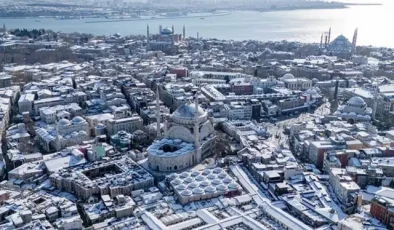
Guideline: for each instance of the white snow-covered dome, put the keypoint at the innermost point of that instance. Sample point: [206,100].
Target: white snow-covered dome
[77,119]
[173,176]
[210,189]
[216,181]
[198,191]
[181,187]
[233,186]
[82,133]
[227,180]
[166,31]
[311,92]
[222,175]
[206,172]
[176,181]
[63,122]
[352,114]
[287,76]
[186,192]
[200,178]
[187,112]
[193,185]
[195,173]
[211,176]
[221,187]
[337,113]
[205,183]
[189,179]
[185,174]
[357,101]
[218,170]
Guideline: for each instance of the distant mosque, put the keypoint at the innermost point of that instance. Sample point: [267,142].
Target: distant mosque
[166,40]
[340,46]
[355,110]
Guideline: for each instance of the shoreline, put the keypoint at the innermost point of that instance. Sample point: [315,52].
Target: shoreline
[146,19]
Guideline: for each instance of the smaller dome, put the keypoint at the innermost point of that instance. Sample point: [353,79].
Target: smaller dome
[352,114]
[181,187]
[206,172]
[176,181]
[222,175]
[221,187]
[233,186]
[82,133]
[210,189]
[337,113]
[186,192]
[200,178]
[63,122]
[211,176]
[227,180]
[311,92]
[198,191]
[77,119]
[185,174]
[218,170]
[100,126]
[216,181]
[195,173]
[288,76]
[356,101]
[166,31]
[173,176]
[189,179]
[205,183]
[193,185]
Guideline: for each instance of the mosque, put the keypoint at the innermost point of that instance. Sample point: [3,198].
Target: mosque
[354,110]
[166,40]
[189,137]
[340,46]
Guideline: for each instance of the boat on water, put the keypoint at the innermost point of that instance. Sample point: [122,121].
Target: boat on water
[202,18]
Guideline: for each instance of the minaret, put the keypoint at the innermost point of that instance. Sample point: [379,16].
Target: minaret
[321,41]
[329,35]
[57,144]
[160,29]
[196,124]
[147,36]
[158,128]
[325,41]
[375,99]
[354,43]
[198,35]
[184,32]
[173,38]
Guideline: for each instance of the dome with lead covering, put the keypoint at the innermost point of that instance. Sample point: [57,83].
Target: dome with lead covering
[221,187]
[218,170]
[189,179]
[356,101]
[185,114]
[195,173]
[206,172]
[176,181]
[173,176]
[216,181]
[200,178]
[205,183]
[222,175]
[227,180]
[198,191]
[211,176]
[77,120]
[233,186]
[166,31]
[181,187]
[185,174]
[210,189]
[193,185]
[186,192]
[64,122]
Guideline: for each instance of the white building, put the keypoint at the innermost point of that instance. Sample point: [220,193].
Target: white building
[296,83]
[128,124]
[25,103]
[344,187]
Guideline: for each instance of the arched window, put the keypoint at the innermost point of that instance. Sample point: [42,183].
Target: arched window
[175,167]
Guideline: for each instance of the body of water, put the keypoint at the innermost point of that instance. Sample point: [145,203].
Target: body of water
[373,22]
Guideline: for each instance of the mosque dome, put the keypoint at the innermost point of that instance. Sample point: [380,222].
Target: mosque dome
[205,183]
[77,119]
[210,189]
[187,112]
[186,192]
[166,31]
[181,187]
[288,76]
[311,92]
[357,101]
[64,122]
